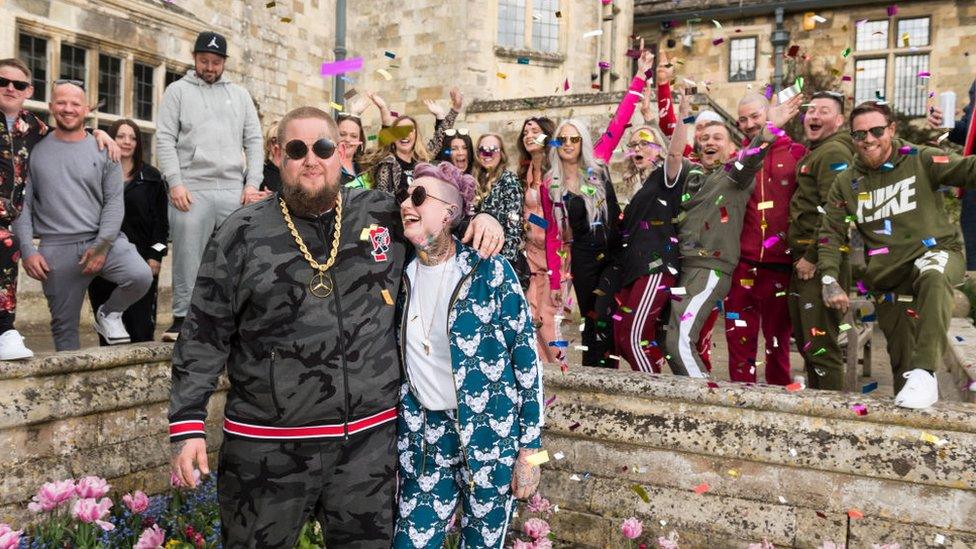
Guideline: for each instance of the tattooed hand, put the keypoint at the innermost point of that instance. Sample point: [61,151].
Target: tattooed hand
[184,454]
[525,477]
[835,297]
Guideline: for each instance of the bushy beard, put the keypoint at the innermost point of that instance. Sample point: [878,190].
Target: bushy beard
[309,204]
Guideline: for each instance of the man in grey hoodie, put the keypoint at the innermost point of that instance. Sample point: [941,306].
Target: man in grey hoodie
[205,122]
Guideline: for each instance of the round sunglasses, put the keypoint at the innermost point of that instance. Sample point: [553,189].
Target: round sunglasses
[296,149]
[417,196]
[861,135]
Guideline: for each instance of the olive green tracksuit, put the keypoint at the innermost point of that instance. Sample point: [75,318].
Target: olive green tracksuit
[815,326]
[914,253]
[709,228]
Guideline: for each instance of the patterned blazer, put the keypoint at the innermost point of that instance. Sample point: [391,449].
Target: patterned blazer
[497,373]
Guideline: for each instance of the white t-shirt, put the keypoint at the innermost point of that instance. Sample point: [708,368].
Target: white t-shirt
[430,294]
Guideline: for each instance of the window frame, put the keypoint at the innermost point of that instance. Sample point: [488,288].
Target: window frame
[892,51]
[118,91]
[526,45]
[40,84]
[755,58]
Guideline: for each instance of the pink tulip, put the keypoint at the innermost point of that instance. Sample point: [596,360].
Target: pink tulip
[52,495]
[151,538]
[92,487]
[9,538]
[667,543]
[88,510]
[137,502]
[631,528]
[538,504]
[536,528]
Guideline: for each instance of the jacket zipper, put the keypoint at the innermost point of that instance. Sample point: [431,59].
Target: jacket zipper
[457,417]
[342,346]
[271,376]
[762,213]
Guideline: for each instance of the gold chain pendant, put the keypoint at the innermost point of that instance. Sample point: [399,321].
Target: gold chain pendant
[320,285]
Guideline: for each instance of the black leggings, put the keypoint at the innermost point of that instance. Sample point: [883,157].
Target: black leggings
[586,266]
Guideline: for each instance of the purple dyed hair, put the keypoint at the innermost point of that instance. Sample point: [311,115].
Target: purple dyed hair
[450,174]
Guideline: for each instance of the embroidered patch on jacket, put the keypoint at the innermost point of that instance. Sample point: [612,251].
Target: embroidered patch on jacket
[380,238]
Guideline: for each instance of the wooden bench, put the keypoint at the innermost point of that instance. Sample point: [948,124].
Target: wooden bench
[856,343]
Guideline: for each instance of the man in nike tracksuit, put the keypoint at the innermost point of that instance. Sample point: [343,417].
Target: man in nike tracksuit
[892,193]
[816,328]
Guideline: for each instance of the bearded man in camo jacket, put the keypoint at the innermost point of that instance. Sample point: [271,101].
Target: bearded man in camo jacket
[295,298]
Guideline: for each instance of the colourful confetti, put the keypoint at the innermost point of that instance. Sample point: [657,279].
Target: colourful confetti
[340,67]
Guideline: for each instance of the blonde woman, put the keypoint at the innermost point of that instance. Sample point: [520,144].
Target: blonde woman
[586,211]
[272,178]
[499,193]
[394,171]
[644,154]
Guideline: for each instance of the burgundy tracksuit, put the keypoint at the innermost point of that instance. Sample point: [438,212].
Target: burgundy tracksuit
[758,298]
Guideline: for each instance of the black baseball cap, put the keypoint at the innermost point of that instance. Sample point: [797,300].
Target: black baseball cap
[211,42]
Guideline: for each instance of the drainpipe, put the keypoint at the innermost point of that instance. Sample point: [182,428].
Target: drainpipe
[339,85]
[780,39]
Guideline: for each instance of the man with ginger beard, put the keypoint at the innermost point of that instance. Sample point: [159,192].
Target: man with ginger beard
[713,207]
[757,300]
[815,326]
[295,297]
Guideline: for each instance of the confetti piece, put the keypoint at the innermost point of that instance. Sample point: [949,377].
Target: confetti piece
[717,41]
[907,150]
[389,54]
[575,477]
[843,327]
[394,133]
[859,409]
[340,67]
[335,106]
[574,426]
[868,387]
[854,514]
[771,241]
[702,488]
[794,387]
[846,52]
[765,205]
[385,74]
[286,19]
[928,242]
[522,60]
[386,296]
[878,251]
[536,220]
[538,458]
[559,456]
[593,33]
[350,94]
[270,4]
[501,75]
[678,290]
[924,74]
[782,500]
[641,493]
[838,166]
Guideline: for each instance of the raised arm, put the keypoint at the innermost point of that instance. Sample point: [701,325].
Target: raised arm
[625,110]
[445,119]
[665,73]
[679,139]
[386,117]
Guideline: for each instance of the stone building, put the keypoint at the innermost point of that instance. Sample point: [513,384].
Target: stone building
[871,47]
[127,51]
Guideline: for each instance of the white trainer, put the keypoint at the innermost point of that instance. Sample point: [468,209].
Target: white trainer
[920,391]
[12,346]
[109,326]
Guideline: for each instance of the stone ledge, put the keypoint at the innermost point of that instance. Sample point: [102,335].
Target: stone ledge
[87,360]
[960,357]
[537,58]
[948,416]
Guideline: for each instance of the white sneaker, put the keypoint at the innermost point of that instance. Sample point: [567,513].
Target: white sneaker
[12,346]
[109,326]
[920,391]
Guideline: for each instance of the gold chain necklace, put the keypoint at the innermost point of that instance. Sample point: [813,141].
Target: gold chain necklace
[420,308]
[321,284]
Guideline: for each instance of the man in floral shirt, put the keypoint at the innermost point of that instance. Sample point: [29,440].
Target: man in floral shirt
[20,130]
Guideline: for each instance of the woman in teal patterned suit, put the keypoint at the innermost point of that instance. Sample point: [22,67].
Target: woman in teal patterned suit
[471,403]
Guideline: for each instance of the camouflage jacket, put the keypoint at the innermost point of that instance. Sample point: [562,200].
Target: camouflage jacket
[300,366]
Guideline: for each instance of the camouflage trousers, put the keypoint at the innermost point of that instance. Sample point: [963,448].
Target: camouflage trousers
[268,490]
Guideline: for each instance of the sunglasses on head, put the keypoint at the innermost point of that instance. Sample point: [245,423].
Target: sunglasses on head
[417,196]
[296,149]
[19,85]
[861,135]
[456,131]
[73,82]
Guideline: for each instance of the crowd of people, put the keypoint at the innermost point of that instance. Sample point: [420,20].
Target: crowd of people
[382,305]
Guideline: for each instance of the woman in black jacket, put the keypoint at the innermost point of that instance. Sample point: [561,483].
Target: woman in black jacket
[145,225]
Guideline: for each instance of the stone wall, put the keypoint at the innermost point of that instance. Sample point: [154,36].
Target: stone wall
[94,412]
[952,57]
[785,466]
